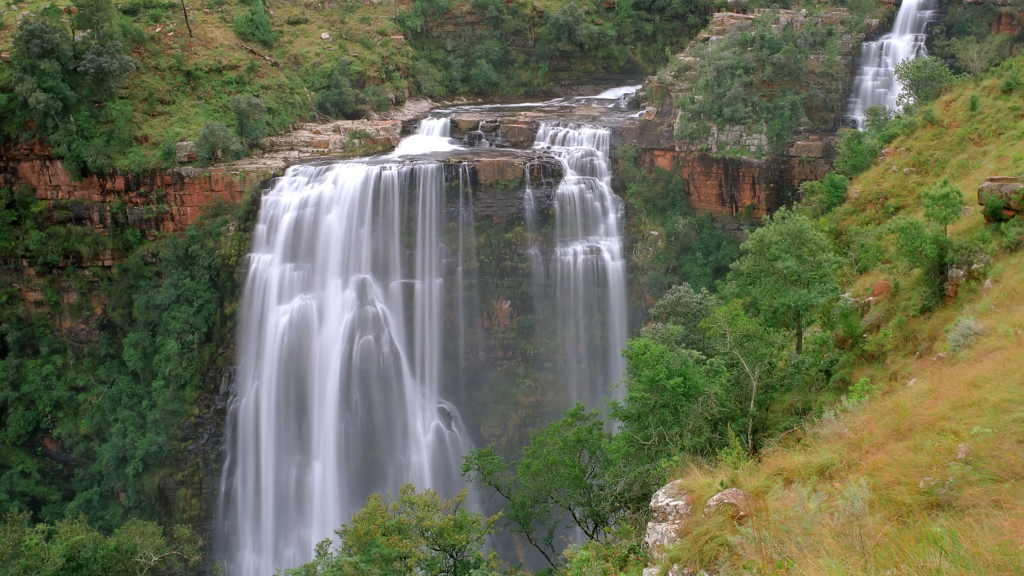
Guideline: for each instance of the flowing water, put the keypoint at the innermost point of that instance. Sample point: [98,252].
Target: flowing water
[341,347]
[875,83]
[588,265]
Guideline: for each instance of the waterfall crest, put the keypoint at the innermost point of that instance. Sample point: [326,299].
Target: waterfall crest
[339,357]
[875,83]
[588,265]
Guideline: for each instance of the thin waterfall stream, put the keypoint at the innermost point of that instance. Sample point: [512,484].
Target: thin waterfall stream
[360,309]
[875,83]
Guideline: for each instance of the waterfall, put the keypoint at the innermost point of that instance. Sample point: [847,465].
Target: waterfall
[875,83]
[432,135]
[588,265]
[339,359]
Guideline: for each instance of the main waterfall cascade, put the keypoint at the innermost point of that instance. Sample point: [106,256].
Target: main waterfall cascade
[337,395]
[341,347]
[876,83]
[588,264]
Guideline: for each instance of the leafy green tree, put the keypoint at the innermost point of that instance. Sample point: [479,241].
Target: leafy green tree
[335,95]
[750,348]
[676,401]
[218,143]
[943,204]
[563,479]
[677,318]
[923,80]
[250,118]
[418,533]
[922,247]
[977,57]
[787,273]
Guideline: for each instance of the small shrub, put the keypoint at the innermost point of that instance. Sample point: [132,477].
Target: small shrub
[973,103]
[994,206]
[1011,82]
[1013,234]
[218,143]
[928,116]
[833,190]
[962,333]
[250,118]
[254,26]
[860,391]
[360,134]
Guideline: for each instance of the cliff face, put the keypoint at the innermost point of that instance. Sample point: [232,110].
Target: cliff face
[730,185]
[733,170]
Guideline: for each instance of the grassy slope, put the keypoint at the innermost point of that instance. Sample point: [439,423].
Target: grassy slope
[183,82]
[876,487]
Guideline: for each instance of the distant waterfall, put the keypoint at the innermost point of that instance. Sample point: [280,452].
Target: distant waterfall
[876,83]
[588,265]
[339,359]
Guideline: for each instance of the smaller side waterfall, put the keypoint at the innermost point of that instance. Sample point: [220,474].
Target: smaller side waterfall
[876,83]
[433,135]
[589,269]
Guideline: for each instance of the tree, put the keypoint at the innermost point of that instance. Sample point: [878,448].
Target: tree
[335,96]
[943,204]
[923,80]
[250,118]
[748,346]
[419,533]
[563,479]
[678,316]
[978,57]
[787,273]
[676,401]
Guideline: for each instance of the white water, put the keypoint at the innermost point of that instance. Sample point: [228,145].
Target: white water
[339,358]
[876,83]
[433,135]
[588,263]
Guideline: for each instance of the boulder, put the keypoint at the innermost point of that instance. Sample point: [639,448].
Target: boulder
[735,498]
[185,152]
[325,36]
[1007,188]
[670,508]
[882,287]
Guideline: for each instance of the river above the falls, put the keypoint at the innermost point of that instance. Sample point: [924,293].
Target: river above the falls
[400,309]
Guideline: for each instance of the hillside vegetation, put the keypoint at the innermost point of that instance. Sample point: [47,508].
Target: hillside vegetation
[115,86]
[918,470]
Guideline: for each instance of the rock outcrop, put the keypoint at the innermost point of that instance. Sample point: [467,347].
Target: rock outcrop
[670,510]
[1007,190]
[733,498]
[733,171]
